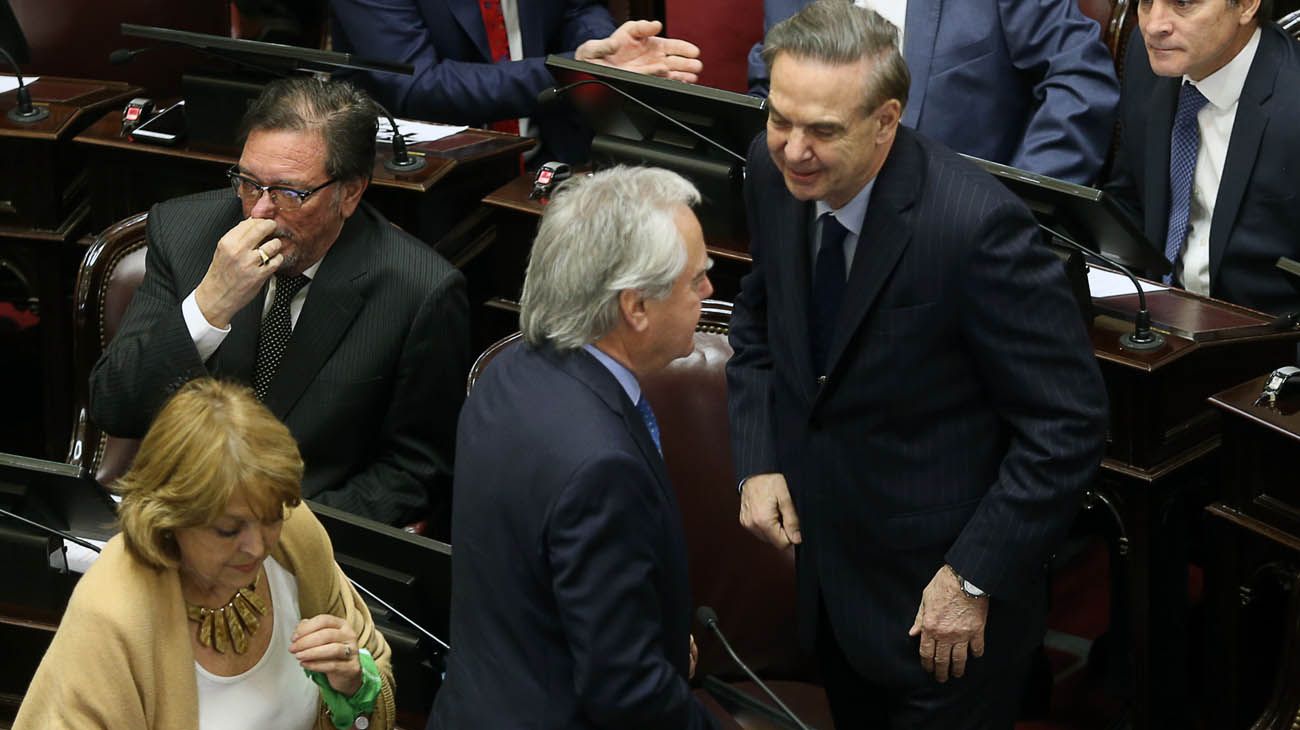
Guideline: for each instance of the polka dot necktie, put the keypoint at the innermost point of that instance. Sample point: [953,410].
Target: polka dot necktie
[276,328]
[1184,142]
[652,425]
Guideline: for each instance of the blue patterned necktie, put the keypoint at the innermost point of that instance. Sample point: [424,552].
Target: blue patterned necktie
[829,274]
[652,425]
[1183,144]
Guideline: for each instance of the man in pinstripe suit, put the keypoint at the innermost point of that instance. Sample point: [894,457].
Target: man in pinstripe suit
[914,403]
[352,332]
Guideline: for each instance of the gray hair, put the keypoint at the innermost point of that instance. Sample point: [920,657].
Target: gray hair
[343,114]
[601,234]
[838,32]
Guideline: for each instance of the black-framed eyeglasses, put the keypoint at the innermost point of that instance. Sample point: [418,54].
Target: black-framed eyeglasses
[282,197]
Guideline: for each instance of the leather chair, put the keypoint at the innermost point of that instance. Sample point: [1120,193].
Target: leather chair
[109,275]
[749,583]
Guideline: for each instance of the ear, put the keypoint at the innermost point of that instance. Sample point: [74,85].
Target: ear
[631,306]
[350,192]
[1249,11]
[889,114]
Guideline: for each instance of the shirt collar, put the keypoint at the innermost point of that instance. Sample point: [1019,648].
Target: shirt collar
[310,271]
[852,213]
[1223,87]
[620,372]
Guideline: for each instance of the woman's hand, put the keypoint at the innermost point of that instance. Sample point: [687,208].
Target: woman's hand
[327,644]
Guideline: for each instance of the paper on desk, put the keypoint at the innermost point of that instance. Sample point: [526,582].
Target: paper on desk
[9,83]
[79,557]
[1107,283]
[413,131]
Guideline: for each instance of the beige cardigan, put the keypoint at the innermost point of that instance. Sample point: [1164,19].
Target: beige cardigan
[122,656]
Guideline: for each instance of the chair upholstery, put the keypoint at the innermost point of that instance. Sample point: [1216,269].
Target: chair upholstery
[748,582]
[109,275]
[724,30]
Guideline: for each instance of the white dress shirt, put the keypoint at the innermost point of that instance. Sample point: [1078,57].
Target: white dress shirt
[208,338]
[1223,90]
[850,216]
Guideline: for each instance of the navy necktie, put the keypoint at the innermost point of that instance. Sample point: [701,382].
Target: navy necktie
[829,274]
[1184,141]
[274,334]
[651,425]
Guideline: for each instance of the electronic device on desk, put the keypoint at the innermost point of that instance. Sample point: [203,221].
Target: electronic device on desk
[548,176]
[699,132]
[216,99]
[136,112]
[167,127]
[406,581]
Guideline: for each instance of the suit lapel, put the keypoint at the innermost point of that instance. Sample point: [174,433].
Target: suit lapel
[793,254]
[922,28]
[333,301]
[1243,149]
[1164,98]
[531,26]
[885,235]
[470,17]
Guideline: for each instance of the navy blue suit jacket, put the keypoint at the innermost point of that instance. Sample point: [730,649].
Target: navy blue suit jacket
[455,80]
[1257,213]
[1026,84]
[962,412]
[571,604]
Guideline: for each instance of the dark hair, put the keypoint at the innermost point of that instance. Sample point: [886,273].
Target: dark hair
[344,115]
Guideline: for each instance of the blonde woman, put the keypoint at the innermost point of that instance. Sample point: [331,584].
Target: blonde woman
[219,605]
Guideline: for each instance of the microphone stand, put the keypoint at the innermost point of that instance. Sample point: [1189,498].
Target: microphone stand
[25,112]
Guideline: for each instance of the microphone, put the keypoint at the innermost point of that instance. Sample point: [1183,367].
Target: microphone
[50,530]
[25,112]
[124,55]
[709,618]
[402,160]
[549,95]
[1142,337]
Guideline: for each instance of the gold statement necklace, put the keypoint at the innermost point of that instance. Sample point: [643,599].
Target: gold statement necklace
[229,626]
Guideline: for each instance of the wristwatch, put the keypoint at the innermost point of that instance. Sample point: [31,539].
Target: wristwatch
[967,588]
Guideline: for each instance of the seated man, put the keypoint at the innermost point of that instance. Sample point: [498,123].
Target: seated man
[1026,84]
[1210,147]
[485,62]
[352,332]
[570,602]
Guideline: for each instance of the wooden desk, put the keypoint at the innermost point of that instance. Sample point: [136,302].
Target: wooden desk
[128,177]
[44,209]
[1254,646]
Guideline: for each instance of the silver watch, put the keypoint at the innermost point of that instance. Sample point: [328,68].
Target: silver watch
[967,588]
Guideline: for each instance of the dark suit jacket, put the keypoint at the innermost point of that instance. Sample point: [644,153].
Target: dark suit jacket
[962,412]
[371,380]
[1257,213]
[571,606]
[1026,84]
[455,80]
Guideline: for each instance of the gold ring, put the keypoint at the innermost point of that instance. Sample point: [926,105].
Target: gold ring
[347,651]
[265,259]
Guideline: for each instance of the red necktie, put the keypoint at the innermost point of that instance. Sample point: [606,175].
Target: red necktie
[494,20]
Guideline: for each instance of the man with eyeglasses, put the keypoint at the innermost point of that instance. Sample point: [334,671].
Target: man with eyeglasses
[352,332]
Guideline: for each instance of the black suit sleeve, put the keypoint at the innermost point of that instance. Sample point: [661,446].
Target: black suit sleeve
[601,542]
[152,353]
[1033,356]
[413,451]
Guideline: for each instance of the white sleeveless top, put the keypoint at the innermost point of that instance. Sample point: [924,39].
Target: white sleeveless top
[275,692]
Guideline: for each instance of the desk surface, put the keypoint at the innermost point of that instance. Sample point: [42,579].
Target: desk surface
[443,156]
[69,101]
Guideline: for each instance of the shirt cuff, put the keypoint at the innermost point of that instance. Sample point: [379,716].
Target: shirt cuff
[206,337]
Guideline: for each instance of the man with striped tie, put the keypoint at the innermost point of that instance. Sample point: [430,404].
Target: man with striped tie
[1210,147]
[352,332]
[570,604]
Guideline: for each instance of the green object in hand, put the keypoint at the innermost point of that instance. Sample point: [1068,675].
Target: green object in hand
[345,710]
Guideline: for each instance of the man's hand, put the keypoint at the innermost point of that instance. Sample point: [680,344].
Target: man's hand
[635,46]
[767,510]
[951,626]
[695,658]
[238,271]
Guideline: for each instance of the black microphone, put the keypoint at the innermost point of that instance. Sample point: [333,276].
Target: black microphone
[50,530]
[709,618]
[25,112]
[402,160]
[549,95]
[1142,337]
[124,55]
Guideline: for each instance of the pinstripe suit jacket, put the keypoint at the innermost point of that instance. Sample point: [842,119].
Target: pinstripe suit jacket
[962,411]
[372,378]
